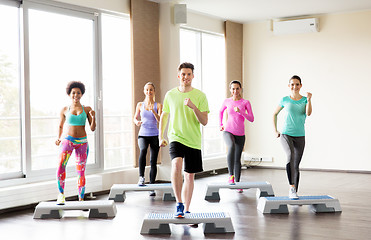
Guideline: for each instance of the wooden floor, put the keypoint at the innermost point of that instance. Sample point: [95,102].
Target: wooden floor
[352,189]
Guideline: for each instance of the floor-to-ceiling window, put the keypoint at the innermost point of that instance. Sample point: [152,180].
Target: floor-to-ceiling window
[207,52]
[61,49]
[117,92]
[10,115]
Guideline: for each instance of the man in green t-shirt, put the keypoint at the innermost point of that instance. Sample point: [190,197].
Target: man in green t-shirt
[184,108]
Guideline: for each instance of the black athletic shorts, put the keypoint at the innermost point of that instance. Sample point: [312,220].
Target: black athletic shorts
[192,157]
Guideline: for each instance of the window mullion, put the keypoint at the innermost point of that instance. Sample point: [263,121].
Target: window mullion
[25,96]
[99,136]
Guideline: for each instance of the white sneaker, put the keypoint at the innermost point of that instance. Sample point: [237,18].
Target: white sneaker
[292,193]
[61,199]
[141,181]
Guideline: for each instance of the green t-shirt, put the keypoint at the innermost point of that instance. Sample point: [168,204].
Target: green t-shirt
[183,124]
[295,116]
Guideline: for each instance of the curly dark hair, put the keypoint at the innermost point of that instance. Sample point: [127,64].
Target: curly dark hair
[75,84]
[186,65]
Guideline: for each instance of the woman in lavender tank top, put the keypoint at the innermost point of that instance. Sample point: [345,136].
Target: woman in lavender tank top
[147,115]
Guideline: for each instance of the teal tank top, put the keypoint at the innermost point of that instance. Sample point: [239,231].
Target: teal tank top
[295,116]
[76,120]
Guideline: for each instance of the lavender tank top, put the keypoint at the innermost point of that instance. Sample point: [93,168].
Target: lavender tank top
[149,122]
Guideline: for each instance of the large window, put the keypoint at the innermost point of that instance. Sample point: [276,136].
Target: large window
[43,46]
[207,52]
[117,107]
[61,49]
[10,125]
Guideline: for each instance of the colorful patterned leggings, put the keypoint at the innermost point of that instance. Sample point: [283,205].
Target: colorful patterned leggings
[81,147]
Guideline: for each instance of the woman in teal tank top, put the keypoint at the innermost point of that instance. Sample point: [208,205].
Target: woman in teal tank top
[292,135]
[75,115]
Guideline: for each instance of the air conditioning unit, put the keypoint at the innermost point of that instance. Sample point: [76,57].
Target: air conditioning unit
[296,26]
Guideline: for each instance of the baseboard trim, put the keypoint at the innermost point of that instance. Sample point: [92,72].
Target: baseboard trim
[315,169]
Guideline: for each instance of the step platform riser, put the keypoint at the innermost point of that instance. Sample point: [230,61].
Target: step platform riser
[264,189]
[212,222]
[97,209]
[319,204]
[117,192]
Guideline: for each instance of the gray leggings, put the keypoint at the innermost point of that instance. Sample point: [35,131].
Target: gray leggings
[294,148]
[235,146]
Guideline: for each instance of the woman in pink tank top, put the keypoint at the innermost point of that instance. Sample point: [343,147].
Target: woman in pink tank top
[238,109]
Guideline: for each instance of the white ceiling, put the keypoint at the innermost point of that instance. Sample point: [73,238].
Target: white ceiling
[258,10]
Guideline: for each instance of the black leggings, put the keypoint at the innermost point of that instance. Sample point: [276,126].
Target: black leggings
[235,146]
[294,148]
[143,143]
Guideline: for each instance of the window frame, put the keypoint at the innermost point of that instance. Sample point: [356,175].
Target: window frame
[16,174]
[57,8]
[13,3]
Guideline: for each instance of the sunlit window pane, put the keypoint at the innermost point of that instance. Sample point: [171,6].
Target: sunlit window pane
[207,53]
[10,123]
[213,85]
[190,51]
[61,50]
[117,95]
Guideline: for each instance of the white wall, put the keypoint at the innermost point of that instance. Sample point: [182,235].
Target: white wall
[121,6]
[335,65]
[204,23]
